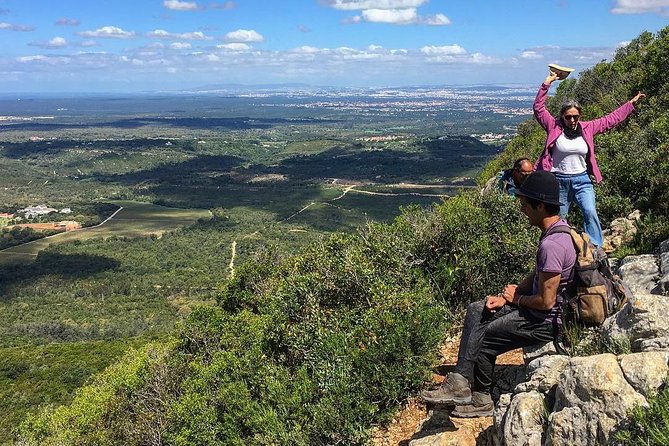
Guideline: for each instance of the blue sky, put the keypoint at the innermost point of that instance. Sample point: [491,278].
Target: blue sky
[149,45]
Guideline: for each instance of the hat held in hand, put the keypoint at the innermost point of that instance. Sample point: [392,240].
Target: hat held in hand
[562,72]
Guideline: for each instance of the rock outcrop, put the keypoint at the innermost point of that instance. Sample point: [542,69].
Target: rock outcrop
[563,401]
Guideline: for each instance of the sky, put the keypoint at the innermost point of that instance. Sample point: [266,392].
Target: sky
[173,45]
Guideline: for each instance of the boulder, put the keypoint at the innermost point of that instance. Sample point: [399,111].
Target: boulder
[643,318]
[653,345]
[663,283]
[499,415]
[543,374]
[566,428]
[592,398]
[523,423]
[621,231]
[646,372]
[535,351]
[640,273]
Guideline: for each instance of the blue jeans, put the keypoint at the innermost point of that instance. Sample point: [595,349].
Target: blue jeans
[579,188]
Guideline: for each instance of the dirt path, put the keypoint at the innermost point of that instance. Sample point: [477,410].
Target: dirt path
[233,250]
[414,422]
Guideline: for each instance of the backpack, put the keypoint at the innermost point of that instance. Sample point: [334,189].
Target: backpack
[595,293]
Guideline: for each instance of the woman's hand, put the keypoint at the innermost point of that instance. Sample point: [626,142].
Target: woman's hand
[552,77]
[638,96]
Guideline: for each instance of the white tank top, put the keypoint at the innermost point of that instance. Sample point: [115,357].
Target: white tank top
[569,155]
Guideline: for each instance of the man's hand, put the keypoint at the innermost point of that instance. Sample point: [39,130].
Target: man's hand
[638,96]
[552,77]
[494,303]
[509,292]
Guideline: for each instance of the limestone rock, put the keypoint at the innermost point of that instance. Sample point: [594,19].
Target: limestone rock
[646,372]
[537,350]
[499,415]
[663,285]
[543,374]
[644,318]
[523,424]
[640,273]
[592,398]
[653,345]
[506,379]
[621,231]
[565,428]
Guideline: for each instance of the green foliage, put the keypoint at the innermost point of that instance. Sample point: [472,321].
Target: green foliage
[48,375]
[314,348]
[18,235]
[633,157]
[648,426]
[587,341]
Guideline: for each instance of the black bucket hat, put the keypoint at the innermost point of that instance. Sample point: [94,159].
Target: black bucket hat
[542,186]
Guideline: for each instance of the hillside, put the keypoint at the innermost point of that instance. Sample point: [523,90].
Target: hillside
[317,347]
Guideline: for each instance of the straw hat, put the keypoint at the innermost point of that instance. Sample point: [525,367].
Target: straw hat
[562,72]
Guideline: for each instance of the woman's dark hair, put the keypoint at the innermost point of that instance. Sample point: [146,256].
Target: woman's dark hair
[552,209]
[572,103]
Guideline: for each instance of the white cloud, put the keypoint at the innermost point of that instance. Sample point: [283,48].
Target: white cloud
[67,22]
[353,19]
[31,58]
[111,32]
[478,58]
[225,5]
[181,46]
[641,7]
[397,16]
[531,55]
[437,20]
[14,27]
[244,35]
[623,44]
[177,5]
[374,4]
[235,46]
[162,34]
[446,50]
[306,50]
[56,42]
[197,35]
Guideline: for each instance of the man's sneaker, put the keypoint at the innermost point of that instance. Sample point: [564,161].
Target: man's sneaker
[480,406]
[454,390]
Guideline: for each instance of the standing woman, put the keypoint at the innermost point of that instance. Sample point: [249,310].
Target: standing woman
[569,152]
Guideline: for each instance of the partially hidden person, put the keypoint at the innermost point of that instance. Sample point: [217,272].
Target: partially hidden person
[569,152]
[509,180]
[521,315]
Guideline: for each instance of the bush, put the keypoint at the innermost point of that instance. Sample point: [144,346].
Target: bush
[308,349]
[648,426]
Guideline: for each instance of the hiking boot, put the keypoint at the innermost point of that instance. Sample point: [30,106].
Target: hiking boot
[480,406]
[454,390]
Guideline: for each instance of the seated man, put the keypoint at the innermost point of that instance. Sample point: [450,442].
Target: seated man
[509,180]
[521,315]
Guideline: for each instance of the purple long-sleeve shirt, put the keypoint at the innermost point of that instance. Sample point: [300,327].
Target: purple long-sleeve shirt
[553,129]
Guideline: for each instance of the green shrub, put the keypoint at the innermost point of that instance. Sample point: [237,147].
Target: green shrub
[648,426]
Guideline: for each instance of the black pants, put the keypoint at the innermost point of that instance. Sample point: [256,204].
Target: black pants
[487,335]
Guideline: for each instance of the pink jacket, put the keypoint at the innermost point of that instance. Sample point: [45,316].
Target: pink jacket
[553,129]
